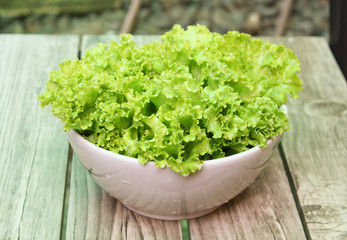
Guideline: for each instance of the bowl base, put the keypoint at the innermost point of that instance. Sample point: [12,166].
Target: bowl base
[173,217]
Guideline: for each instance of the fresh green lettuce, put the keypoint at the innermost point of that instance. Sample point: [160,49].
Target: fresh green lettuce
[192,97]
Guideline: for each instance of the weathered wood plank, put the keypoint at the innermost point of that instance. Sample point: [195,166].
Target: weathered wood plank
[265,210]
[316,146]
[93,214]
[33,149]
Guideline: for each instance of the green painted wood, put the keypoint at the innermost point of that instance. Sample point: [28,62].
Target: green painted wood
[33,148]
[93,214]
[316,146]
[25,7]
[265,210]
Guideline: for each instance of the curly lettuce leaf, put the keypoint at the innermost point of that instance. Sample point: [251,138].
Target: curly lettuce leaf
[192,97]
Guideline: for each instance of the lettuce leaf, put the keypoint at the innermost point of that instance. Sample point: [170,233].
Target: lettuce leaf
[192,97]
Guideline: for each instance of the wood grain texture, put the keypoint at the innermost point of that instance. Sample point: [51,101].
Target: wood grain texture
[33,148]
[93,214]
[316,146]
[265,210]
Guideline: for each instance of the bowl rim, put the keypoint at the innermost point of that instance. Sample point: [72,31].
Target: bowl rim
[233,157]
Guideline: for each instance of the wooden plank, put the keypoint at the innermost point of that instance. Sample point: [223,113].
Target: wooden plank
[93,214]
[316,146]
[265,210]
[33,148]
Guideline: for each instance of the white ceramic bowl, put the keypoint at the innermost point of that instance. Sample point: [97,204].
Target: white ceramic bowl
[164,194]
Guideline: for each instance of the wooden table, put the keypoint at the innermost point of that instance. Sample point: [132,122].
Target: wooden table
[45,193]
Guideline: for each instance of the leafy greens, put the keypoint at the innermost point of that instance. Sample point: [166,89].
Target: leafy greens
[194,96]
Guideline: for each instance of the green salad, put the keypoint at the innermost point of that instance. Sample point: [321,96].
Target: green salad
[194,96]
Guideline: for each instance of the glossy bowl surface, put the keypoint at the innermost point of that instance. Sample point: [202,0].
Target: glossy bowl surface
[164,194]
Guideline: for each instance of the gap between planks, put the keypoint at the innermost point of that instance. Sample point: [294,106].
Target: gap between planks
[294,192]
[68,174]
[66,194]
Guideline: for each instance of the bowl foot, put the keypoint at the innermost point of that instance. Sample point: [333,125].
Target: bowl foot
[172,217]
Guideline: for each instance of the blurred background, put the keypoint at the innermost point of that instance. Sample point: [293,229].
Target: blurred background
[257,17]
